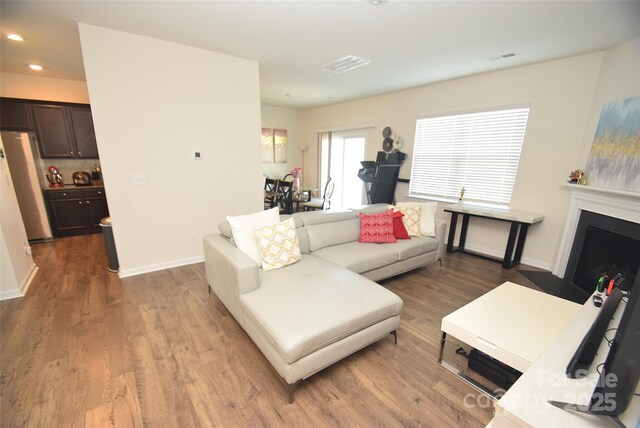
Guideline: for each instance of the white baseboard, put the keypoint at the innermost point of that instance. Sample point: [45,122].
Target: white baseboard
[493,253]
[23,287]
[124,273]
[27,281]
[12,294]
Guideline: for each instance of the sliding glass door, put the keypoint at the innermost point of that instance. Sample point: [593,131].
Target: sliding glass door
[340,157]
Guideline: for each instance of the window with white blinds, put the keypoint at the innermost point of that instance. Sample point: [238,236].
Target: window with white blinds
[475,151]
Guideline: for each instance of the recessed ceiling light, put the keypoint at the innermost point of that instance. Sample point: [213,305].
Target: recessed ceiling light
[35,67]
[15,37]
[346,63]
[377,2]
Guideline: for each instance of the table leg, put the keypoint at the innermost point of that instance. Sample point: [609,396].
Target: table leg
[443,340]
[511,242]
[520,245]
[463,232]
[452,232]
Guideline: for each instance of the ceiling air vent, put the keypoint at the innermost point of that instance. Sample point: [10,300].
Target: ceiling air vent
[502,56]
[346,63]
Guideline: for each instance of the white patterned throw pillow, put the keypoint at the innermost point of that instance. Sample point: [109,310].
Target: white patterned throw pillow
[427,216]
[411,219]
[243,229]
[278,245]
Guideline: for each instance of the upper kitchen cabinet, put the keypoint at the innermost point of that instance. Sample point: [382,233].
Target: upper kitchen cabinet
[65,131]
[53,131]
[83,132]
[15,116]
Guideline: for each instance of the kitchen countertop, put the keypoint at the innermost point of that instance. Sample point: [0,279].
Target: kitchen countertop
[74,187]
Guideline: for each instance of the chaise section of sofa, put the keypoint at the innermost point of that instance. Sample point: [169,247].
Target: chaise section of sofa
[309,315]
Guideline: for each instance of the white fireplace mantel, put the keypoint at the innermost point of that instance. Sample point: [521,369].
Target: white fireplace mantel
[613,203]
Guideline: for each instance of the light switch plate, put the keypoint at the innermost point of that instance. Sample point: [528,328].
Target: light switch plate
[138,178]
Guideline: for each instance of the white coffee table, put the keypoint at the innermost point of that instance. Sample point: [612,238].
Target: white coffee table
[511,323]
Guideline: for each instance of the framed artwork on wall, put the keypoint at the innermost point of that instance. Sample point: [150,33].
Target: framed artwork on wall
[614,161]
[267,145]
[280,145]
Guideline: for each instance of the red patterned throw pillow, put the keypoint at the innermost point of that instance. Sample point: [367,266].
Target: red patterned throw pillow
[399,231]
[377,228]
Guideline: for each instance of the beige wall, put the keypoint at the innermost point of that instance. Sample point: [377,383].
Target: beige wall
[289,119]
[35,87]
[560,94]
[153,104]
[619,79]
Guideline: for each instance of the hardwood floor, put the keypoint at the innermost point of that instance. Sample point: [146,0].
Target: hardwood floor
[84,348]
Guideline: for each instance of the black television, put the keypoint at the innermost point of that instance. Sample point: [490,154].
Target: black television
[620,372]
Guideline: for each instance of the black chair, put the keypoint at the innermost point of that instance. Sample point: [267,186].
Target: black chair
[270,193]
[323,203]
[285,196]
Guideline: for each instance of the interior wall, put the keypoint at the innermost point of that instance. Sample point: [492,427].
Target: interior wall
[154,103]
[560,94]
[618,80]
[289,119]
[33,87]
[16,265]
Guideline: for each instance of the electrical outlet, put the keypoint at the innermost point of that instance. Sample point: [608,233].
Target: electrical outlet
[27,250]
[194,238]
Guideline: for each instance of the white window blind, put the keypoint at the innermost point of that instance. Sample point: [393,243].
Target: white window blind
[478,151]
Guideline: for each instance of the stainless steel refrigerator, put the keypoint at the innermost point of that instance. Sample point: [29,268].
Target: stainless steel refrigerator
[20,151]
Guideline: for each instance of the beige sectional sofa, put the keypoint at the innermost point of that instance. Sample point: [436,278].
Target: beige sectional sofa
[306,316]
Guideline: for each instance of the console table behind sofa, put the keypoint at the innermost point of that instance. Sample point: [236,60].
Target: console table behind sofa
[520,222]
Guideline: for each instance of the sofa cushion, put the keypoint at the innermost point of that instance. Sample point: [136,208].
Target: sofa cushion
[405,249]
[377,228]
[323,235]
[313,303]
[278,245]
[317,217]
[359,257]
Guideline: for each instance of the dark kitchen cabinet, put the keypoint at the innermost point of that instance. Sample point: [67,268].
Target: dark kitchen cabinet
[75,211]
[83,132]
[53,130]
[15,116]
[65,131]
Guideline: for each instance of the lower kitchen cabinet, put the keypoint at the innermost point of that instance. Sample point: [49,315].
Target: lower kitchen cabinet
[74,211]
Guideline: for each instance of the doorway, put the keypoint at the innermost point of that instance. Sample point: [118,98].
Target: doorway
[340,157]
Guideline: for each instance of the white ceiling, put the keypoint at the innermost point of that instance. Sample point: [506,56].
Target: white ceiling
[410,43]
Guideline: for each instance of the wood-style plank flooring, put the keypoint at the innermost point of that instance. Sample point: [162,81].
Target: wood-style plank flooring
[84,348]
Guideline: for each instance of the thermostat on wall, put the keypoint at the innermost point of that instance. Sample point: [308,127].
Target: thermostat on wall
[197,155]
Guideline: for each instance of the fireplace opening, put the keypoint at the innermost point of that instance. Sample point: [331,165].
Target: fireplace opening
[603,244]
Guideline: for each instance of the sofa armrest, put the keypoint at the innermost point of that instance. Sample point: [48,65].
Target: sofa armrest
[230,273]
[441,229]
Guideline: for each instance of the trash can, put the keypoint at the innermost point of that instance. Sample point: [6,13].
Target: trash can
[107,232]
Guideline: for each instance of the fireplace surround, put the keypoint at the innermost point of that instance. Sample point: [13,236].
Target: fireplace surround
[603,244]
[599,210]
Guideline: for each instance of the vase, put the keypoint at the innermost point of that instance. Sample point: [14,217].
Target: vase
[296,185]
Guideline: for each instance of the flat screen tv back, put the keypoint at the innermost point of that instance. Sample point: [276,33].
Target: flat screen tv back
[620,372]
[583,357]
